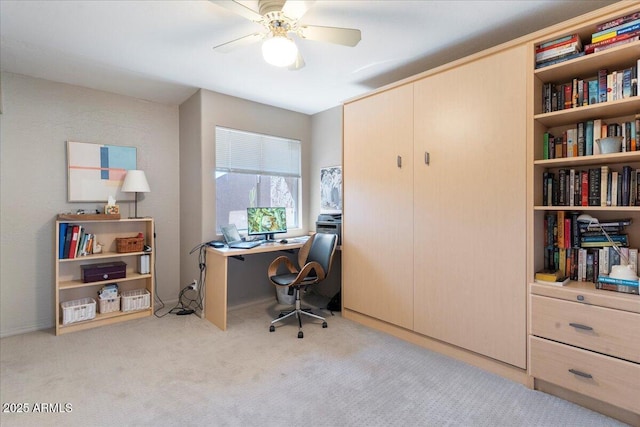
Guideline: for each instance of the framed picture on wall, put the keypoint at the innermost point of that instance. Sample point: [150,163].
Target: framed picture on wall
[96,171]
[331,190]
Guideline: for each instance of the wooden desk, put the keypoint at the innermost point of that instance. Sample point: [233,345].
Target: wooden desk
[216,282]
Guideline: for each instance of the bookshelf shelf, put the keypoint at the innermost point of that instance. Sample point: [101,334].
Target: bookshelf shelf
[605,110]
[68,281]
[553,309]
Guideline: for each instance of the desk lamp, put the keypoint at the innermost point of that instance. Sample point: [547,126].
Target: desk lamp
[135,182]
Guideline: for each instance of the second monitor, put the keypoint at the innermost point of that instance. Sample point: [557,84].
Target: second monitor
[266,221]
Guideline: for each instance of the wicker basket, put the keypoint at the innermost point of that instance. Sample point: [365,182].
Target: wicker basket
[129,244]
[137,299]
[109,305]
[78,310]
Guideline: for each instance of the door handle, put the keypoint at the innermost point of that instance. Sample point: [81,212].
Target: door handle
[426,158]
[399,160]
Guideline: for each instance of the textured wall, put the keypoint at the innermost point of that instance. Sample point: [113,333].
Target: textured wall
[38,118]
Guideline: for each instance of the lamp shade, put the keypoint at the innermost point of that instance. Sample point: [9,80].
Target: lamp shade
[279,50]
[135,182]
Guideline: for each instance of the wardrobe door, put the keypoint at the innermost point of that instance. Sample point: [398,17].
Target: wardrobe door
[470,206]
[377,260]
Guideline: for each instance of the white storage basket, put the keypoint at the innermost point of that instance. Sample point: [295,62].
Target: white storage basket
[137,299]
[78,310]
[109,305]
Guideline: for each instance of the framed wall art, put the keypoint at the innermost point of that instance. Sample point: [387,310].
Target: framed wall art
[96,171]
[331,190]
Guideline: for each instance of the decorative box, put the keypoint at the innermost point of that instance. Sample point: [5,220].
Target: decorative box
[104,271]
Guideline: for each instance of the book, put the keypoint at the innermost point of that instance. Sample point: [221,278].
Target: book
[561,282]
[616,281]
[62,234]
[74,242]
[602,85]
[627,289]
[549,275]
[563,40]
[557,60]
[618,21]
[67,240]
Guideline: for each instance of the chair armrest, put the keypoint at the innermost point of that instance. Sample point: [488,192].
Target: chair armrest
[276,263]
[312,265]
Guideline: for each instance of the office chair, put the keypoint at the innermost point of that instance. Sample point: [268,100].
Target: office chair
[315,259]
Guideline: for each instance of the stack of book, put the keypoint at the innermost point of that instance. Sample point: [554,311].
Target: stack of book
[618,285]
[552,277]
[622,30]
[558,50]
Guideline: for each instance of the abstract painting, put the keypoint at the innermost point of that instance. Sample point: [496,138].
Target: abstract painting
[96,171]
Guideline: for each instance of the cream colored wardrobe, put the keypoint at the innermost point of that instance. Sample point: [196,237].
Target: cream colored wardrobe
[378,179]
[470,206]
[438,245]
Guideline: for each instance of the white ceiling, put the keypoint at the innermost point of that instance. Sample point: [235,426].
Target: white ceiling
[162,50]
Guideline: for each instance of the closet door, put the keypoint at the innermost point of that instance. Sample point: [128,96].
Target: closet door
[470,206]
[377,261]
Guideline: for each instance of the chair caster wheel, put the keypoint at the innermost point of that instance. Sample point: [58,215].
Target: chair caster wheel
[280,315]
[272,328]
[300,334]
[324,324]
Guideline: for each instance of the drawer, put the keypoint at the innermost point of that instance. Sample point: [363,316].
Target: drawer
[605,330]
[601,377]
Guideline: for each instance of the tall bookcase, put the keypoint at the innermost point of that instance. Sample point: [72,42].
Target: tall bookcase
[68,277]
[584,343]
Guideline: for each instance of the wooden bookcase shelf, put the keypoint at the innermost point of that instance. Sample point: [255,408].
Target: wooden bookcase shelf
[608,354]
[68,282]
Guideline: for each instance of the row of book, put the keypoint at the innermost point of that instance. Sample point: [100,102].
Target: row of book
[74,241]
[597,186]
[563,230]
[622,30]
[605,86]
[581,140]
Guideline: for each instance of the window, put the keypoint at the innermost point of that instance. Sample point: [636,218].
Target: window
[254,170]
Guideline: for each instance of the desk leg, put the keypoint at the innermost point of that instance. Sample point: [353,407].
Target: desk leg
[215,302]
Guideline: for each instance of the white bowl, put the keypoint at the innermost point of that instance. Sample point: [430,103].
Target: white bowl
[610,144]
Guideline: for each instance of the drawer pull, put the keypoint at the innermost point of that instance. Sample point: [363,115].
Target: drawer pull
[579,326]
[580,373]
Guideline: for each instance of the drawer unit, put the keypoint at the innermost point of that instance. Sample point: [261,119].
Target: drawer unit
[608,331]
[601,377]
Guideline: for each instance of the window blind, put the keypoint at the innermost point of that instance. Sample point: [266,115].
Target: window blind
[247,152]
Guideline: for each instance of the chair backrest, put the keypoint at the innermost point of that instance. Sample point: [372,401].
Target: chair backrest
[322,249]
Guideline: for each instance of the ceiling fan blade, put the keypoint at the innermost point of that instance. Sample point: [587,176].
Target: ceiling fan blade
[296,9]
[343,36]
[299,63]
[238,43]
[239,9]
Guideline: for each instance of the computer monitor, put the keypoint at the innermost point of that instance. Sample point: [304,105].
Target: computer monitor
[266,221]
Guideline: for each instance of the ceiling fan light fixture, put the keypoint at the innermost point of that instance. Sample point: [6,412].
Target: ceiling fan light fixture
[279,50]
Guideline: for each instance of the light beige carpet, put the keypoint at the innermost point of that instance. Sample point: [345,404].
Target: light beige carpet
[183,371]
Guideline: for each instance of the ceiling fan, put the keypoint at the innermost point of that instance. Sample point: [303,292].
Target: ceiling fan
[280,19]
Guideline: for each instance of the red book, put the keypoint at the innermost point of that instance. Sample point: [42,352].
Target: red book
[567,232]
[568,95]
[74,241]
[584,188]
